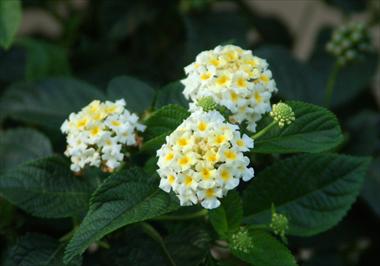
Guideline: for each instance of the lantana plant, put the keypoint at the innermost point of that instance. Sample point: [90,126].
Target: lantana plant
[245,170]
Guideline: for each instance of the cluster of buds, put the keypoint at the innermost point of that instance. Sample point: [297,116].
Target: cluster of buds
[283,114]
[241,240]
[349,43]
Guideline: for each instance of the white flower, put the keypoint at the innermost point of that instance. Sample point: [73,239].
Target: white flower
[203,159]
[234,78]
[97,134]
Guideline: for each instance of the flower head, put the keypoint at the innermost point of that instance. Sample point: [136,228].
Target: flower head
[279,223]
[349,42]
[242,241]
[235,79]
[203,159]
[97,134]
[283,114]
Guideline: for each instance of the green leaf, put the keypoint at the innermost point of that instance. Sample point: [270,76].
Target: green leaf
[138,95]
[265,250]
[315,129]
[44,59]
[20,145]
[10,18]
[227,218]
[46,188]
[153,144]
[171,94]
[47,103]
[295,80]
[371,186]
[314,191]
[38,250]
[124,198]
[164,120]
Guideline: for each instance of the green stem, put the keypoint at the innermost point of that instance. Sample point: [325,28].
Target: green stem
[264,130]
[152,232]
[188,216]
[330,84]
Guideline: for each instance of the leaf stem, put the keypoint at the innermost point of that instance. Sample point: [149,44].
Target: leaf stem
[152,232]
[189,216]
[331,83]
[264,130]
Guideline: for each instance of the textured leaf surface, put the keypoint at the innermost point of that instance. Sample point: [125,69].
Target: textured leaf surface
[313,191]
[138,95]
[315,130]
[265,251]
[46,188]
[164,120]
[126,197]
[47,103]
[171,94]
[20,145]
[38,250]
[10,18]
[227,218]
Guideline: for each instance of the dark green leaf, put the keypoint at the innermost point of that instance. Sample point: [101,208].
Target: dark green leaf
[44,59]
[10,18]
[38,250]
[47,103]
[313,191]
[371,186]
[171,94]
[124,198]
[164,120]
[138,95]
[20,145]
[46,188]
[315,129]
[227,218]
[265,251]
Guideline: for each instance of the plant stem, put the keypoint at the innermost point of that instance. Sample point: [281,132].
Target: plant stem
[331,83]
[152,232]
[264,130]
[189,216]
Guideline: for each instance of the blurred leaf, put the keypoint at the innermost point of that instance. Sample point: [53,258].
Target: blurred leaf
[10,18]
[189,246]
[20,145]
[265,251]
[208,30]
[47,103]
[12,64]
[44,59]
[351,79]
[46,188]
[315,129]
[371,186]
[227,218]
[313,190]
[138,95]
[38,250]
[124,198]
[295,80]
[364,133]
[171,94]
[348,6]
[164,120]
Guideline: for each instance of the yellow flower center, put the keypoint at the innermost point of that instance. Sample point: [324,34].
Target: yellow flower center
[182,142]
[230,155]
[169,156]
[206,76]
[188,180]
[202,126]
[184,161]
[242,83]
[234,96]
[240,143]
[171,179]
[225,175]
[115,123]
[210,193]
[222,80]
[258,97]
[220,139]
[82,123]
[95,131]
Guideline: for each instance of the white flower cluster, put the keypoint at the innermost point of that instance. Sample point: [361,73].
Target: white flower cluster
[234,78]
[203,159]
[97,134]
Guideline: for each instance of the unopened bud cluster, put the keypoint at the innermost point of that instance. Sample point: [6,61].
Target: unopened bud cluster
[242,241]
[279,224]
[349,43]
[283,114]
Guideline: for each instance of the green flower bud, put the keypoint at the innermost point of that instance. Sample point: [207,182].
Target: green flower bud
[279,223]
[349,43]
[283,114]
[241,240]
[207,103]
